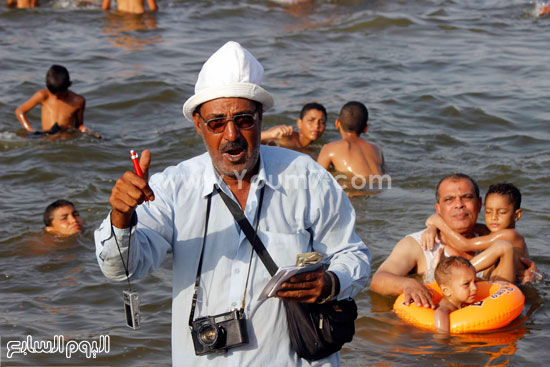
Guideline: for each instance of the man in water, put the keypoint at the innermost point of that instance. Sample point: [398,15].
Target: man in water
[304,209]
[458,203]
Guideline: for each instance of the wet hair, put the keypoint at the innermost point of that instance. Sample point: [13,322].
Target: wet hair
[48,213]
[508,190]
[57,79]
[443,270]
[456,177]
[353,117]
[313,106]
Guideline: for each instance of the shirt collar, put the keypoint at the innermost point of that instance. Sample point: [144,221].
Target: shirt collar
[211,177]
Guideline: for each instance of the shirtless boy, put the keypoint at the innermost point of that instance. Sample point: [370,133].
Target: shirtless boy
[62,219]
[131,6]
[502,211]
[311,125]
[22,4]
[456,278]
[62,109]
[353,155]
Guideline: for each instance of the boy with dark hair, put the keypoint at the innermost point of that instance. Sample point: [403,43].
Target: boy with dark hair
[502,211]
[62,109]
[456,278]
[353,155]
[311,125]
[62,219]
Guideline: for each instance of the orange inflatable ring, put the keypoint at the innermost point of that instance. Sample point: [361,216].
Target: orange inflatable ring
[497,304]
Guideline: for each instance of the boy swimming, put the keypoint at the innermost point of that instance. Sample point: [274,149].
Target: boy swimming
[62,109]
[353,155]
[62,219]
[131,6]
[456,278]
[502,211]
[311,125]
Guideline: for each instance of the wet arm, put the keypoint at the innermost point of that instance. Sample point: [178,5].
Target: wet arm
[152,5]
[276,132]
[391,277]
[20,112]
[441,320]
[324,158]
[469,244]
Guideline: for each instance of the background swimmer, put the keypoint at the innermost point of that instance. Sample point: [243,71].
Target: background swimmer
[353,155]
[131,6]
[62,109]
[311,125]
[22,4]
[62,219]
[456,278]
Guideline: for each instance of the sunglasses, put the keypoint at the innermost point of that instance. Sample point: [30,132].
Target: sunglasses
[243,121]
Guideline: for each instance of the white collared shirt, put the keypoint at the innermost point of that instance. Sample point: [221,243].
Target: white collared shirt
[301,200]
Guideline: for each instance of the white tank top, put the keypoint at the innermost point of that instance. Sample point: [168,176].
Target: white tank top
[431,259]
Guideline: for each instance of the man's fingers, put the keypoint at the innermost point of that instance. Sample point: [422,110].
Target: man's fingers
[144,162]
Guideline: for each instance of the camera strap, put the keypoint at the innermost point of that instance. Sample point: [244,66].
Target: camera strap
[251,235]
[127,264]
[199,267]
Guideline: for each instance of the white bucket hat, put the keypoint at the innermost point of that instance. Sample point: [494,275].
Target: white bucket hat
[231,71]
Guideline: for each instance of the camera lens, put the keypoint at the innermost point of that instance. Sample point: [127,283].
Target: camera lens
[209,335]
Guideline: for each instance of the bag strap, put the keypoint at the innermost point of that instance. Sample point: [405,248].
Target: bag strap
[249,232]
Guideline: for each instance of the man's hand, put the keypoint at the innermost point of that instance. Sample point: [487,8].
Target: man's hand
[417,292]
[306,287]
[531,273]
[129,191]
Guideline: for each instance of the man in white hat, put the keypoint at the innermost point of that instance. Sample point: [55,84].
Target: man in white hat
[293,204]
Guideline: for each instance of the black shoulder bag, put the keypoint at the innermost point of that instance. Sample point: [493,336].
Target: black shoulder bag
[316,330]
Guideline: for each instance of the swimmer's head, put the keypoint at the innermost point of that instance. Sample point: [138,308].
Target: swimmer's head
[57,79]
[444,269]
[353,118]
[312,121]
[61,218]
[502,206]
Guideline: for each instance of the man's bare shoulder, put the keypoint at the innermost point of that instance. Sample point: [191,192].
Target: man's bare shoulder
[42,94]
[407,250]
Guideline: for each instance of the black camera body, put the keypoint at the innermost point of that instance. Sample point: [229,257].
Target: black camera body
[216,334]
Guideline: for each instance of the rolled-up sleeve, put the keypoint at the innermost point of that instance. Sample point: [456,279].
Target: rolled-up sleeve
[333,230]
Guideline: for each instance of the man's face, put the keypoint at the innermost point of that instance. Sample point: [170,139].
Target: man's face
[234,151]
[312,124]
[458,205]
[66,221]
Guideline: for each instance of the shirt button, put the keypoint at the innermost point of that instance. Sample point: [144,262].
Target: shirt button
[237,271]
[234,304]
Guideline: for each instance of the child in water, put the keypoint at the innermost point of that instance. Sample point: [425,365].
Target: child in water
[62,219]
[502,211]
[131,6]
[21,4]
[62,109]
[353,155]
[311,125]
[456,278]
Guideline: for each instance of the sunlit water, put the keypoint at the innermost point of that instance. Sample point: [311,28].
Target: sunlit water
[450,86]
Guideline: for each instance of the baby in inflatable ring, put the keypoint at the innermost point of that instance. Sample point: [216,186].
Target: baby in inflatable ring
[456,278]
[463,305]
